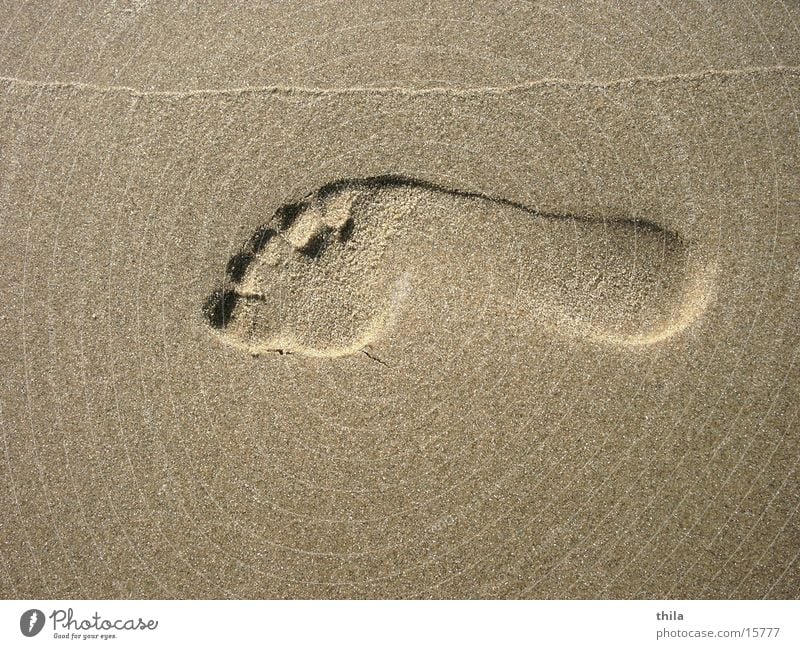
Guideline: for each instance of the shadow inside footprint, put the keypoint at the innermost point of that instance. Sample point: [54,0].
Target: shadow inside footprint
[325,275]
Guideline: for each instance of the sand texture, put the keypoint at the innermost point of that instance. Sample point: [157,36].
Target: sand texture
[333,301]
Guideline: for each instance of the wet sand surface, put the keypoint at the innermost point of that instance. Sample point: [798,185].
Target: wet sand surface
[328,302]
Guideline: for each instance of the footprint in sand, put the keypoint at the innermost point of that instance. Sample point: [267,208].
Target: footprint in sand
[330,274]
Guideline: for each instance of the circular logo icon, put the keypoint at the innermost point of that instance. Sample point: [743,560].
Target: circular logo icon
[31,622]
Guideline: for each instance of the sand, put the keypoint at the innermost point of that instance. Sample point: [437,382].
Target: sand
[332,301]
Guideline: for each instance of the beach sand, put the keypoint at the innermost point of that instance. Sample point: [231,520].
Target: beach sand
[429,301]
